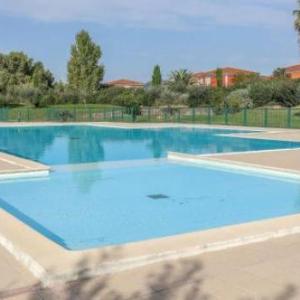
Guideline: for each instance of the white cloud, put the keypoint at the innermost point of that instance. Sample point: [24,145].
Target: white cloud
[166,14]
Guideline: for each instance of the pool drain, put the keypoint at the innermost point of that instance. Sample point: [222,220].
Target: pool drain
[158,196]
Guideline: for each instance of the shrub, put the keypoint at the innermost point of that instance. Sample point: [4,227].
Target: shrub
[170,97]
[107,95]
[284,92]
[152,95]
[66,96]
[238,100]
[218,100]
[198,96]
[49,99]
[65,116]
[261,93]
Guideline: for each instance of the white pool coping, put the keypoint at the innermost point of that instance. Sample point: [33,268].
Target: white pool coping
[132,125]
[236,165]
[12,167]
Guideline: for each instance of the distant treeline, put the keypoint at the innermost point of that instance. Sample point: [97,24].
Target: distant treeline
[24,81]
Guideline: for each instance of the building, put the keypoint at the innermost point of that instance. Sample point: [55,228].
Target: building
[125,83]
[210,78]
[293,72]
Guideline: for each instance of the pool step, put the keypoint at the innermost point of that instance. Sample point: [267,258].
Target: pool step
[15,167]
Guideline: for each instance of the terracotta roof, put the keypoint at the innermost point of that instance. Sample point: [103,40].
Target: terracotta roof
[295,68]
[228,70]
[125,82]
[236,70]
[199,74]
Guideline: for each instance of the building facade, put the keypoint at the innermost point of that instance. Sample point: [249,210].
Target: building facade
[125,83]
[229,75]
[293,72]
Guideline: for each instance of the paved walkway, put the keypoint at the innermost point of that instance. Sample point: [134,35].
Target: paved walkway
[13,276]
[266,271]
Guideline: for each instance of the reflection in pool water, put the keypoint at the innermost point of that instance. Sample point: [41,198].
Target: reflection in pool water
[83,144]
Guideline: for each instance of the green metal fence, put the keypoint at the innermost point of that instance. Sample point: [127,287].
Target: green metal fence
[260,117]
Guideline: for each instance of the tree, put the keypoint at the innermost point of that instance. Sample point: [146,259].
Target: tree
[199,95]
[16,68]
[219,77]
[42,78]
[261,93]
[242,80]
[279,73]
[297,18]
[84,71]
[180,79]
[156,76]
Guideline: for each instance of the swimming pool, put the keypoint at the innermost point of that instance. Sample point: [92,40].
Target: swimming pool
[99,207]
[54,145]
[94,205]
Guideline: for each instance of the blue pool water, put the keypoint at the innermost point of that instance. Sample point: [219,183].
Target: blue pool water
[98,207]
[83,144]
[90,205]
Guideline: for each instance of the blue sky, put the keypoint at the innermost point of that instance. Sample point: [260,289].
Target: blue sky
[137,34]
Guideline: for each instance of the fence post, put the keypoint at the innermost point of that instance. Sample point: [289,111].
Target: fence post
[178,116]
[245,119]
[90,114]
[149,115]
[194,114]
[209,115]
[51,115]
[113,114]
[122,114]
[266,117]
[7,114]
[226,116]
[28,116]
[289,117]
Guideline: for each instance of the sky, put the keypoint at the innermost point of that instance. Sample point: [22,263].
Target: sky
[134,35]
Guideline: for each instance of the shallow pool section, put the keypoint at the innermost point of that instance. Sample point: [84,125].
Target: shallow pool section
[59,145]
[99,207]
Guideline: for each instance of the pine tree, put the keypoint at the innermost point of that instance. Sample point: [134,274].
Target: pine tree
[84,71]
[156,76]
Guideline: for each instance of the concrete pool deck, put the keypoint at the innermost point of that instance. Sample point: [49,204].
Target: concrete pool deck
[268,270]
[33,250]
[281,162]
[286,160]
